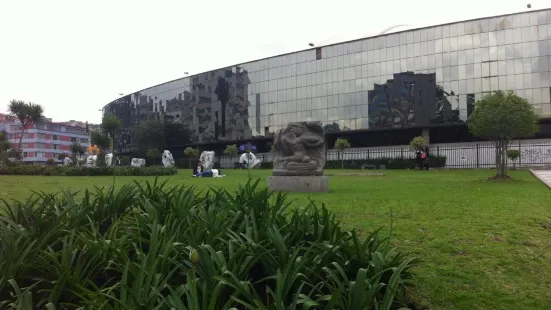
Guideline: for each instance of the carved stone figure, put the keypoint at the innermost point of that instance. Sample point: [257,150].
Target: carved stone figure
[299,150]
[248,160]
[207,160]
[109,159]
[67,161]
[91,160]
[137,162]
[167,159]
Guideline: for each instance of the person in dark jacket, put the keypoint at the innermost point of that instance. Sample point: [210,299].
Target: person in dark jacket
[197,168]
[425,158]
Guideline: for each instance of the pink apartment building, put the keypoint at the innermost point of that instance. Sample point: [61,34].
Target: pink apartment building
[44,140]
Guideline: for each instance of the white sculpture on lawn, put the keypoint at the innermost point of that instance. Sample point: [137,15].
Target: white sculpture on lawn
[67,161]
[91,160]
[167,159]
[248,160]
[137,162]
[109,159]
[207,160]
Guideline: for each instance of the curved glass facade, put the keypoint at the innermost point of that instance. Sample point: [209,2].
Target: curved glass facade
[416,78]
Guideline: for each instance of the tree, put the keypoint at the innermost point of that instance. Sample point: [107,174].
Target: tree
[153,154]
[150,134]
[231,150]
[513,155]
[341,144]
[191,152]
[50,161]
[100,140]
[502,117]
[76,148]
[27,114]
[5,146]
[417,144]
[110,124]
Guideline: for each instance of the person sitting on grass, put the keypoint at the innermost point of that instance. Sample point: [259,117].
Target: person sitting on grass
[196,168]
[212,173]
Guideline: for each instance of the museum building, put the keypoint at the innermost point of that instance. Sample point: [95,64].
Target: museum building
[375,91]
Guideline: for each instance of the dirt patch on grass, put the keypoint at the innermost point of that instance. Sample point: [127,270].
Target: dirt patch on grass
[358,174]
[500,179]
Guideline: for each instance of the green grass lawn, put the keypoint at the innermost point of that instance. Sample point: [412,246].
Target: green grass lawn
[483,245]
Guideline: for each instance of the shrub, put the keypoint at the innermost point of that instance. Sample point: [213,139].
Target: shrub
[50,161]
[85,171]
[125,160]
[147,246]
[389,163]
[417,143]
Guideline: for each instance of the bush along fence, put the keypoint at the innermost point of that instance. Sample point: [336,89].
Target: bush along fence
[377,163]
[148,246]
[533,153]
[85,171]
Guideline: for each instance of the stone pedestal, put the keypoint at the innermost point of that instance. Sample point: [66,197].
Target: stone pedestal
[299,184]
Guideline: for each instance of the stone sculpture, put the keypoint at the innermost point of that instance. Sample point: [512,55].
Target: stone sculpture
[207,160]
[299,158]
[109,159]
[91,160]
[299,149]
[137,162]
[167,159]
[67,161]
[248,160]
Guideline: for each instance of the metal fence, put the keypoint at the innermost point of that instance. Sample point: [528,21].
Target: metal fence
[459,155]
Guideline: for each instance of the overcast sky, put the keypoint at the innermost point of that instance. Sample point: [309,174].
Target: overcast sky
[73,57]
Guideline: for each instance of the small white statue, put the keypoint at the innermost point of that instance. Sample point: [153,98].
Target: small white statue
[167,159]
[109,159]
[91,160]
[207,160]
[67,161]
[137,162]
[248,160]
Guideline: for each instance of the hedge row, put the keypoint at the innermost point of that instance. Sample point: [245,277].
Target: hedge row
[85,171]
[376,163]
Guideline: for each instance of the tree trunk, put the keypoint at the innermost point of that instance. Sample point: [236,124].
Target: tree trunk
[21,139]
[501,159]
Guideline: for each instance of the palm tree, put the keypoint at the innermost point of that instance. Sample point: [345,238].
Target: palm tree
[27,113]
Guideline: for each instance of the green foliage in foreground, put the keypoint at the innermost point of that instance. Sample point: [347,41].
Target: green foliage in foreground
[85,171]
[148,246]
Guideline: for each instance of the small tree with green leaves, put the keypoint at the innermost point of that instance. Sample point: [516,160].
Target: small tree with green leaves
[231,150]
[50,161]
[110,124]
[153,154]
[191,153]
[513,155]
[341,144]
[76,148]
[100,140]
[502,117]
[417,144]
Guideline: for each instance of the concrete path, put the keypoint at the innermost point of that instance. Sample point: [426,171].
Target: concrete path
[543,175]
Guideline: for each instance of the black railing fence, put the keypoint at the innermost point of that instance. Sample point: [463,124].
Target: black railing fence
[459,155]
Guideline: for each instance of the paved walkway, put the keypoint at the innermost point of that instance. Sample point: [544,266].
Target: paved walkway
[543,175]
